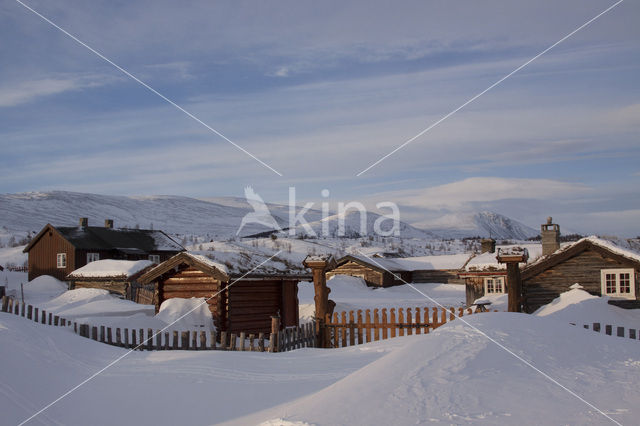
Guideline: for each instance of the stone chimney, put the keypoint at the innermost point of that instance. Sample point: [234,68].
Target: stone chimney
[550,233]
[487,245]
[84,222]
[108,223]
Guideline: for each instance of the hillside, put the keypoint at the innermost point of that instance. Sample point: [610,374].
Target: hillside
[214,218]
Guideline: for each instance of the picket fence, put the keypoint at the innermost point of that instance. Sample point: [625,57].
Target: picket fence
[140,339]
[358,327]
[608,329]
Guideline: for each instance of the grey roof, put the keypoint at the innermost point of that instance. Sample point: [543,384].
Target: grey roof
[124,240]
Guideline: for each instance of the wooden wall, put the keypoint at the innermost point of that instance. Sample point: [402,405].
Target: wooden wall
[437,276]
[474,289]
[119,287]
[189,282]
[42,256]
[373,277]
[584,269]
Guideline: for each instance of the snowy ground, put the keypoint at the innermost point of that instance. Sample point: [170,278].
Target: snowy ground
[452,376]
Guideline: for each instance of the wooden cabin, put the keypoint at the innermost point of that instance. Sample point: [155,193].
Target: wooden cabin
[601,267]
[116,276]
[377,272]
[60,250]
[238,302]
[387,272]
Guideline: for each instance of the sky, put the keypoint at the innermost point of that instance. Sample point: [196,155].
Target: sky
[320,91]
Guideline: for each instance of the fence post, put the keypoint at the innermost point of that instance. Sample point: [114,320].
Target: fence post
[213,340]
[109,341]
[242,337]
[607,329]
[118,337]
[203,340]
[620,331]
[149,339]
[94,333]
[194,340]
[632,333]
[275,328]
[102,336]
[596,327]
[5,303]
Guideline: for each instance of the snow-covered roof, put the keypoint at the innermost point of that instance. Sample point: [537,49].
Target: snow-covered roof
[489,262]
[110,268]
[420,263]
[209,262]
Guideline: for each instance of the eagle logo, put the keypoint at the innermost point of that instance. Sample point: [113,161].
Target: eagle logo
[260,214]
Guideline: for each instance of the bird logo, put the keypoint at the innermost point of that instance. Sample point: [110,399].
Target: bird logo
[260,214]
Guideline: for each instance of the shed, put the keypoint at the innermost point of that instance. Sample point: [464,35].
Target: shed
[602,267]
[60,250]
[237,301]
[116,276]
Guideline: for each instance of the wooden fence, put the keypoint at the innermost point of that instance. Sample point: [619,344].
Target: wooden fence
[351,328]
[632,333]
[18,268]
[148,339]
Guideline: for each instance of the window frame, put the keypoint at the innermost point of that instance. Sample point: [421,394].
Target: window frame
[92,257]
[605,275]
[495,280]
[153,257]
[61,260]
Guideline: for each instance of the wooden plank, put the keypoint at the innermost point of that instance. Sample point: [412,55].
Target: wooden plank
[360,328]
[261,342]
[409,322]
[401,321]
[203,340]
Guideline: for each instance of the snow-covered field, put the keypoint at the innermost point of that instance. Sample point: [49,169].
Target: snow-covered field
[452,376]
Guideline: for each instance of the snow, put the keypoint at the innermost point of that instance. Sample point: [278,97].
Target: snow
[352,293]
[499,302]
[186,314]
[579,307]
[445,261]
[111,268]
[207,261]
[488,262]
[455,375]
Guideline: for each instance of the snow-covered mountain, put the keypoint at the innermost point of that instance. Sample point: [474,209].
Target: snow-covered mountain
[482,224]
[217,217]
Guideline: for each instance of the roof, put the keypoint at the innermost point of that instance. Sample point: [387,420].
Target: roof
[607,247]
[197,261]
[110,268]
[131,241]
[485,262]
[410,264]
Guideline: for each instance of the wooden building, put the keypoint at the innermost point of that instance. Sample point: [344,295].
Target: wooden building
[116,276]
[483,275]
[387,272]
[238,302]
[59,250]
[599,266]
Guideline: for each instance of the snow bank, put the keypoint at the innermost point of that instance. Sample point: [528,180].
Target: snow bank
[41,289]
[111,268]
[579,307]
[499,302]
[195,311]
[455,375]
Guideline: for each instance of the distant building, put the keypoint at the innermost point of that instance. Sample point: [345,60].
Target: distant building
[60,250]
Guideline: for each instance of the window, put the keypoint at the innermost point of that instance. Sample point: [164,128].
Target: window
[618,283]
[61,260]
[92,257]
[155,258]
[494,285]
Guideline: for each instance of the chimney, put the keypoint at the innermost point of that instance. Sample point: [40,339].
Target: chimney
[108,223]
[550,233]
[487,245]
[84,222]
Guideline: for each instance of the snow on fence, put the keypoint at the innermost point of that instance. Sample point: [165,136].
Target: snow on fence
[608,329]
[18,268]
[140,339]
[351,328]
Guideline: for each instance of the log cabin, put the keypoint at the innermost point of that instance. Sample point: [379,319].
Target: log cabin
[387,272]
[237,301]
[60,250]
[601,267]
[116,276]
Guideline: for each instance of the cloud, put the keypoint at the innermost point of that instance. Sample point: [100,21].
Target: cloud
[28,91]
[461,194]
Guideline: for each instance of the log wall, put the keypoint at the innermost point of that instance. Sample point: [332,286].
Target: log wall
[584,269]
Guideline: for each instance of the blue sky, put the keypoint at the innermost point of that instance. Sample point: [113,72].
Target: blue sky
[321,90]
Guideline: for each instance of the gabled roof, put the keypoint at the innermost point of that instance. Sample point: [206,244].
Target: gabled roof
[101,238]
[604,247]
[110,269]
[197,261]
[410,264]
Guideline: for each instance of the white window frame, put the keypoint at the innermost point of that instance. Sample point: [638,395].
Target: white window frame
[61,260]
[494,280]
[155,258]
[616,274]
[92,257]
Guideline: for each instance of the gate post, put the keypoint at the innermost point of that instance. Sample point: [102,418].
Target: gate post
[512,257]
[319,265]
